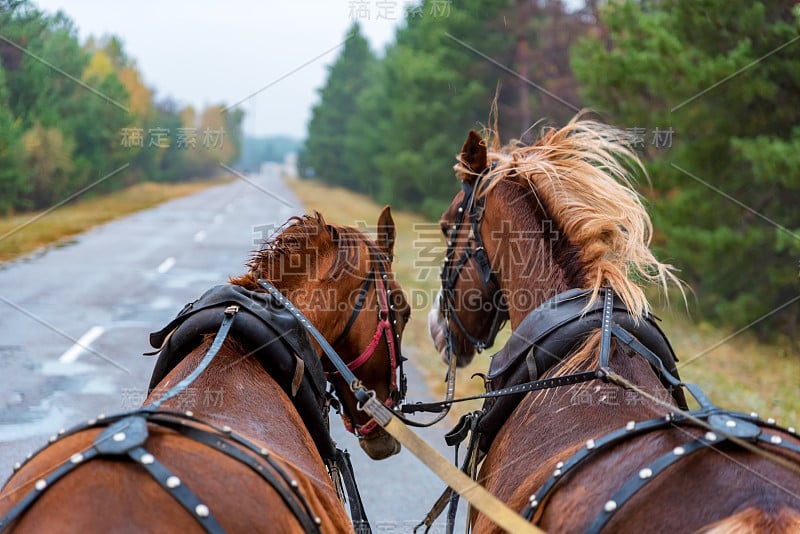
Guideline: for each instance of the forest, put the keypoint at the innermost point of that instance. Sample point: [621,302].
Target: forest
[78,117]
[708,92]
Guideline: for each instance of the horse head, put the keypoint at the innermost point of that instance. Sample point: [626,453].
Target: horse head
[533,221]
[342,281]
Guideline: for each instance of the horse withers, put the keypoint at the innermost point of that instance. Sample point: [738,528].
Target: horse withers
[260,460]
[554,239]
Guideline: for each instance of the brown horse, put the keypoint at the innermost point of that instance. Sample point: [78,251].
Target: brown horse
[545,236]
[255,461]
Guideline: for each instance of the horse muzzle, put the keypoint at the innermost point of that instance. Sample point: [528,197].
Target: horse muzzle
[379,444]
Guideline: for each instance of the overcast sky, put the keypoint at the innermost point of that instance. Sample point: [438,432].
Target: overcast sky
[205,52]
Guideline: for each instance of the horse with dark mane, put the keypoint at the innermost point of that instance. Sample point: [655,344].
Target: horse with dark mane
[597,435]
[260,460]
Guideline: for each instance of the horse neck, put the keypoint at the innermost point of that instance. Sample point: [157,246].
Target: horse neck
[236,391]
[527,250]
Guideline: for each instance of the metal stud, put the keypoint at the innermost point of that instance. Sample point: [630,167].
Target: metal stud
[317,520]
[29,456]
[227,429]
[173,482]
[610,506]
[730,424]
[40,484]
[264,451]
[630,426]
[668,417]
[557,473]
[119,436]
[147,459]
[753,414]
[590,444]
[201,510]
[678,451]
[534,503]
[293,483]
[17,466]
[710,436]
[460,210]
[76,458]
[791,430]
[62,431]
[101,417]
[559,465]
[771,421]
[776,440]
[53,438]
[189,413]
[645,473]
[91,422]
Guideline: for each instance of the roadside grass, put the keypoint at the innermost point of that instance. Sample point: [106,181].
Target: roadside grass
[739,373]
[24,233]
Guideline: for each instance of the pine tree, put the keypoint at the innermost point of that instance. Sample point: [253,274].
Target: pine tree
[724,76]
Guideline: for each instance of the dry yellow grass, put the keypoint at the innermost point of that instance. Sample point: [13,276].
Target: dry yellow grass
[739,373]
[23,233]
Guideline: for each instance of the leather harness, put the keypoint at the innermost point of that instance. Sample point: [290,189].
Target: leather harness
[277,334]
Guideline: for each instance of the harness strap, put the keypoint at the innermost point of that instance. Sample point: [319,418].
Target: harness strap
[219,339]
[357,513]
[644,476]
[176,489]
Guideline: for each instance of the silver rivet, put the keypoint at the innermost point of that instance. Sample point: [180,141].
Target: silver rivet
[147,459]
[753,414]
[173,482]
[76,458]
[101,417]
[264,451]
[557,473]
[62,431]
[227,429]
[40,484]
[53,439]
[775,439]
[317,520]
[460,210]
[710,436]
[534,502]
[395,321]
[91,422]
[645,473]
[119,436]
[201,510]
[678,451]
[610,506]
[791,430]
[17,466]
[293,483]
[559,465]
[29,456]
[668,417]
[771,421]
[189,413]
[630,426]
[590,444]
[730,424]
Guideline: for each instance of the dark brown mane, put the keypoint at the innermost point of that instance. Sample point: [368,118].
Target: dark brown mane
[299,244]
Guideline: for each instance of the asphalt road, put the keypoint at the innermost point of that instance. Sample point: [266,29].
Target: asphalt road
[112,286]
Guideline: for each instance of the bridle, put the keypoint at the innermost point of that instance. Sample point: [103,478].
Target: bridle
[472,208]
[385,329]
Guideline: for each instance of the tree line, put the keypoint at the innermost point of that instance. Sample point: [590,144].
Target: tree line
[78,116]
[708,91]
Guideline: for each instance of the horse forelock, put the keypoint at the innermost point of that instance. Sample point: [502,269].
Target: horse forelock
[583,175]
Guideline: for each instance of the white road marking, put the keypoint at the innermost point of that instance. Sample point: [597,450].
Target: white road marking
[199,236]
[166,265]
[81,345]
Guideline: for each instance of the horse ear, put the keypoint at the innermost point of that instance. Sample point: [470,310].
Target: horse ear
[386,231]
[473,156]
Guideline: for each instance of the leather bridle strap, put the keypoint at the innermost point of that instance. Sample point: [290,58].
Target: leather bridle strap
[362,296]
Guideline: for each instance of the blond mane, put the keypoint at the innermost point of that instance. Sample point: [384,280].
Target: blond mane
[583,174]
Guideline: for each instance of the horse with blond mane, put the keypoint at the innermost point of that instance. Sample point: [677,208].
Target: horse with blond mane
[586,426]
[260,460]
